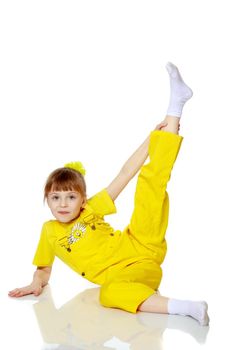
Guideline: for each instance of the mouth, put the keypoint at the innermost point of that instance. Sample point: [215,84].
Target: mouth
[63,212]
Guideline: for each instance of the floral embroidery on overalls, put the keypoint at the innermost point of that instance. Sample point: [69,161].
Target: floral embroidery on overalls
[77,232]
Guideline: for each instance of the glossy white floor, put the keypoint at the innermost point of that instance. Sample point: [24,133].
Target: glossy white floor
[64,319]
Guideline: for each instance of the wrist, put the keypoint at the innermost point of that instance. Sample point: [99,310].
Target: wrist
[37,281]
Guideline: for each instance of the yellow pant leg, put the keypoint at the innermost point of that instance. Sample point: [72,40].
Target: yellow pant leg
[149,220]
[131,285]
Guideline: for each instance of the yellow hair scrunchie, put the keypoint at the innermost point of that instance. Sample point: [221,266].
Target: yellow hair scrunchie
[78,166]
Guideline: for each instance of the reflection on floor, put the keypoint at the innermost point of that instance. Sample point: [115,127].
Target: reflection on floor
[82,323]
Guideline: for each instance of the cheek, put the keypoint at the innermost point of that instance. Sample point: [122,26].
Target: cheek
[52,209]
[76,207]
[52,206]
[49,205]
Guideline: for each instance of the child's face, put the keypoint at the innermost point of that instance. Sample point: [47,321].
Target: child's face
[65,205]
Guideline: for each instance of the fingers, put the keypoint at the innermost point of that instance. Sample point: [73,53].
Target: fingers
[13,292]
[18,292]
[161,125]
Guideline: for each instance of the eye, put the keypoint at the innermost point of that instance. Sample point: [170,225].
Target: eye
[72,197]
[55,197]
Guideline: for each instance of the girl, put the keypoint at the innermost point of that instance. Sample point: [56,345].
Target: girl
[127,265]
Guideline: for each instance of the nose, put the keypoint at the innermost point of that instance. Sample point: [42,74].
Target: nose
[63,202]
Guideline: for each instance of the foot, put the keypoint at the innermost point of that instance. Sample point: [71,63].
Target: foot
[196,309]
[199,311]
[180,92]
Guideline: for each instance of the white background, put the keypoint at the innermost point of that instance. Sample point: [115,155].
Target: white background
[86,80]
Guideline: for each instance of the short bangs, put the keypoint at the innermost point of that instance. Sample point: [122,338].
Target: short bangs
[65,179]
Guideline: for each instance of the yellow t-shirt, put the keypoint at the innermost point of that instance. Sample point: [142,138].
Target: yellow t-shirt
[85,243]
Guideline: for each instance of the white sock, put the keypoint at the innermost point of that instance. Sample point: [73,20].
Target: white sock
[179,93]
[195,309]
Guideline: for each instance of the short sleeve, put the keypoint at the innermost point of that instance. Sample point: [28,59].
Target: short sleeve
[102,203]
[44,255]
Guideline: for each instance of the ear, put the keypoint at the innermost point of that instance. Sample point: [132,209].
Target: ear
[84,202]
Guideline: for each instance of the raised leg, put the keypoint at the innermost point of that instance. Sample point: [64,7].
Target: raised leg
[180,93]
[149,220]
[150,217]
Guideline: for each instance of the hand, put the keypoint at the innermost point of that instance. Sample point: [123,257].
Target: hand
[33,288]
[161,125]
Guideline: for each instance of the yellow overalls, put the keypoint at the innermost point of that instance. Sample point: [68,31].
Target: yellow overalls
[126,264]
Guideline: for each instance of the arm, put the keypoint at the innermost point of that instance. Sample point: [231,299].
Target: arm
[131,167]
[40,279]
